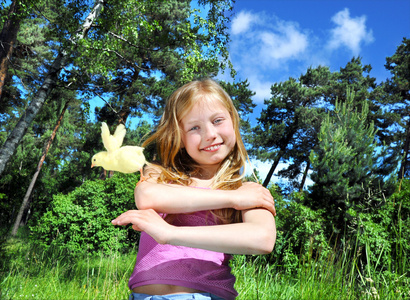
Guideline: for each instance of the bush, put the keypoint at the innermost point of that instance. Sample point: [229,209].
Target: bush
[81,220]
[300,234]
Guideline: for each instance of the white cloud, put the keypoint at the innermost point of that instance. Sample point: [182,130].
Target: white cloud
[266,49]
[286,44]
[242,22]
[262,45]
[349,32]
[261,87]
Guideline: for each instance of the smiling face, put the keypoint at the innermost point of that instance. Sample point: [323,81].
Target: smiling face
[208,134]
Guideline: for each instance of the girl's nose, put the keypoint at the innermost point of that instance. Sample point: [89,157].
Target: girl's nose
[210,132]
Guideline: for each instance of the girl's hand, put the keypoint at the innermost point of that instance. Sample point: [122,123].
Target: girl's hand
[146,220]
[253,195]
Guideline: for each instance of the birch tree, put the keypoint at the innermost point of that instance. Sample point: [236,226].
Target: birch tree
[49,83]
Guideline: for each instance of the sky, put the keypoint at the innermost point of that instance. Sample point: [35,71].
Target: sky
[272,40]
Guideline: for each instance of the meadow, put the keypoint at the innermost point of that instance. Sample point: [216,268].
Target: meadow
[29,272]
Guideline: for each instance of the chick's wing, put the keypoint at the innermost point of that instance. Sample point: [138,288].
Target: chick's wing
[112,142]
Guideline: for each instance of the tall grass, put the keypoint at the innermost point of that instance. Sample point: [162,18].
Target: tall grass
[32,273]
[336,276]
[37,274]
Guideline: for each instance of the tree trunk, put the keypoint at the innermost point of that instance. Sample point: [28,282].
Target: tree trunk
[25,203]
[404,161]
[8,38]
[36,104]
[282,149]
[302,184]
[272,168]
[31,112]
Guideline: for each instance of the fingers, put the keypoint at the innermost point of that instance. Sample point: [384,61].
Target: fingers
[264,195]
[254,195]
[272,209]
[136,228]
[270,205]
[134,217]
[124,218]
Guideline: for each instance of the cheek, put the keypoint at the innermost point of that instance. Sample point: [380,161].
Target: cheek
[190,141]
[230,136]
[229,131]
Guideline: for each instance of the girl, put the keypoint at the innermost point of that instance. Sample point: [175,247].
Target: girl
[193,207]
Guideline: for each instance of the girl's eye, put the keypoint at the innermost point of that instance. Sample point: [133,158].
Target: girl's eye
[194,128]
[217,121]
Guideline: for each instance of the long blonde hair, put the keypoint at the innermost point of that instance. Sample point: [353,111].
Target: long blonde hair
[175,163]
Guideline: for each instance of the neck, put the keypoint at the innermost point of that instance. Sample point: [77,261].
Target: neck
[206,183]
[205,173]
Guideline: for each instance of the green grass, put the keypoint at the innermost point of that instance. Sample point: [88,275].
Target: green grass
[35,274]
[31,273]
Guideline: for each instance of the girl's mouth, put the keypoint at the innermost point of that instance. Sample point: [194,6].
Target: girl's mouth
[213,147]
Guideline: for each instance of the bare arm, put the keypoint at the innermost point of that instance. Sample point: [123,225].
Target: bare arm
[171,198]
[256,235]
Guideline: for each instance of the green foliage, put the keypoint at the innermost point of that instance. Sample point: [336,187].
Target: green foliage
[81,220]
[300,233]
[18,175]
[140,51]
[399,65]
[288,127]
[343,161]
[393,96]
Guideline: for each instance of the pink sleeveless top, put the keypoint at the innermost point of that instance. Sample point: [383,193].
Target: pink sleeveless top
[199,269]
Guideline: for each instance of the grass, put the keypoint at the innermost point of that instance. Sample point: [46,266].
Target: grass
[31,273]
[36,274]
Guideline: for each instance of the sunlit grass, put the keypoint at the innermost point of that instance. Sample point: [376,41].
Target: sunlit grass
[35,274]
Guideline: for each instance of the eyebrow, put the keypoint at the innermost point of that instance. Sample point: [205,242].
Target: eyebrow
[212,116]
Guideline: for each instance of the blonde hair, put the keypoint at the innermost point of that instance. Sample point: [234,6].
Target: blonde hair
[175,163]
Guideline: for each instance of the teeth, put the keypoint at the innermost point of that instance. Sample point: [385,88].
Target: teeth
[212,148]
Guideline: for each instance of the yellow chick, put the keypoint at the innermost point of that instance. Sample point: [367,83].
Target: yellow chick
[126,159]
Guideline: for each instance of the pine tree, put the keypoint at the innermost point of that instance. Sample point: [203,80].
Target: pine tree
[288,127]
[343,162]
[394,96]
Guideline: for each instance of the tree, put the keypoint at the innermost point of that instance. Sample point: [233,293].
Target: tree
[288,127]
[35,176]
[151,48]
[241,96]
[136,52]
[26,68]
[36,104]
[8,37]
[343,162]
[65,152]
[394,98]
[290,112]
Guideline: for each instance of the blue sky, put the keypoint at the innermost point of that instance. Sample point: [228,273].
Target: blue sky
[273,40]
